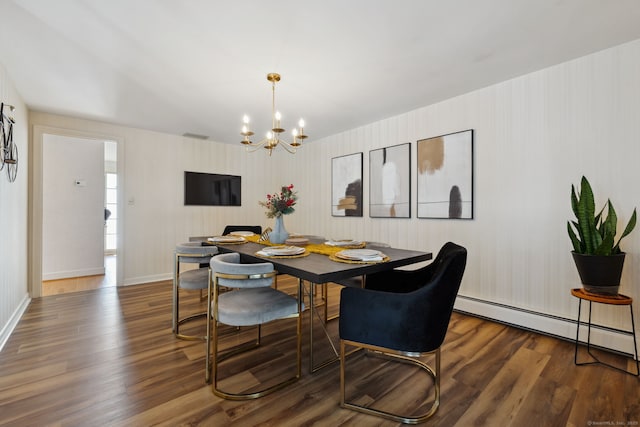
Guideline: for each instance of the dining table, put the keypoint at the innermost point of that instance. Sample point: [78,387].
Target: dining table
[319,269]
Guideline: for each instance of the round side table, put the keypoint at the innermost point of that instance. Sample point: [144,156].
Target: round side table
[619,299]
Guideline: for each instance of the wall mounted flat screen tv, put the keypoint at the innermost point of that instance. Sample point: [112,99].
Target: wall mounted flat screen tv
[210,189]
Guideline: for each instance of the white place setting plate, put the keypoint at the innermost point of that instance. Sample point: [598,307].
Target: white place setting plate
[227,239]
[345,242]
[360,255]
[297,241]
[282,250]
[242,233]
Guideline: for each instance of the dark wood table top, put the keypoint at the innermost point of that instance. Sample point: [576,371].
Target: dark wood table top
[318,268]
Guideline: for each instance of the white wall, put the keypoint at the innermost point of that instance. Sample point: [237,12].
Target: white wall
[14,297]
[534,136]
[154,217]
[73,207]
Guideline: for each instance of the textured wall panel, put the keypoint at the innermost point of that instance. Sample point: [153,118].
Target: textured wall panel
[13,218]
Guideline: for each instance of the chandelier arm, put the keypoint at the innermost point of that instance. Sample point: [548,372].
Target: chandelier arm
[253,148]
[256,146]
[287,146]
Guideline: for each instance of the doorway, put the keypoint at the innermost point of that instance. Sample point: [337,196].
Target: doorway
[82,251]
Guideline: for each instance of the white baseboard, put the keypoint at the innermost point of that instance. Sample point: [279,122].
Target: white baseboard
[73,273]
[550,325]
[147,279]
[8,328]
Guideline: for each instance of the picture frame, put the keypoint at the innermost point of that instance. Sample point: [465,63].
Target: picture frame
[390,182]
[346,185]
[445,176]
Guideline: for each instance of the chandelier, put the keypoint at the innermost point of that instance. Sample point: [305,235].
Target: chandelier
[272,139]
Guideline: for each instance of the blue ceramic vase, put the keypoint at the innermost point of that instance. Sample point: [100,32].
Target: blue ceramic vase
[279,233]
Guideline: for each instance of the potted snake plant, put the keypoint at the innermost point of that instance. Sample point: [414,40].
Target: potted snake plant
[596,252]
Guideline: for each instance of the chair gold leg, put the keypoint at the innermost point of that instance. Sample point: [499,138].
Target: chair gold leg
[188,319]
[174,323]
[207,372]
[299,329]
[342,379]
[433,373]
[249,346]
[177,321]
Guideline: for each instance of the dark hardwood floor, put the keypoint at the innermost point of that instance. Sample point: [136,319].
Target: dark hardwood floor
[107,357]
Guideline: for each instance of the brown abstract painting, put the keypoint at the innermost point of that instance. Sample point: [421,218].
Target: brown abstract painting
[445,176]
[346,185]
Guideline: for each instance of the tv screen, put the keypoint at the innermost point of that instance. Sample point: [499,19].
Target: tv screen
[210,189]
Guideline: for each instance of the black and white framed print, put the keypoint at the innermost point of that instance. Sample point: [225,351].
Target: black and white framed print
[390,182]
[346,185]
[445,176]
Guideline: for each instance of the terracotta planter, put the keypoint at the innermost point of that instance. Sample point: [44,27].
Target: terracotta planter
[600,274]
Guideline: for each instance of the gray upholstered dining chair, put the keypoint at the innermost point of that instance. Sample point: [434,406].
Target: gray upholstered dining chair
[249,301]
[404,318]
[194,279]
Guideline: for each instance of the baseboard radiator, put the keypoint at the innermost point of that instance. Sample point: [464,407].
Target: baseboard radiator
[603,337]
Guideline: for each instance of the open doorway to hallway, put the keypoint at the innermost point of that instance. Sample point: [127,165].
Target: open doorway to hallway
[79,220]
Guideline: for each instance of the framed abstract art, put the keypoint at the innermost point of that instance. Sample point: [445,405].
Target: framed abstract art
[346,185]
[390,182]
[445,176]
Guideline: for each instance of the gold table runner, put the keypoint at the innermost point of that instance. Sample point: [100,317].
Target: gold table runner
[316,248]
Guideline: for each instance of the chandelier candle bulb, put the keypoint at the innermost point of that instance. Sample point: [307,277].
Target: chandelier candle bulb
[245,131]
[295,142]
[301,134]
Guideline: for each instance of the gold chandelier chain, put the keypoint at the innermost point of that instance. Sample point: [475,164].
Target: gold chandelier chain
[273,104]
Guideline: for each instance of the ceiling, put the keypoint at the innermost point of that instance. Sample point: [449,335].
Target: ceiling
[196,66]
